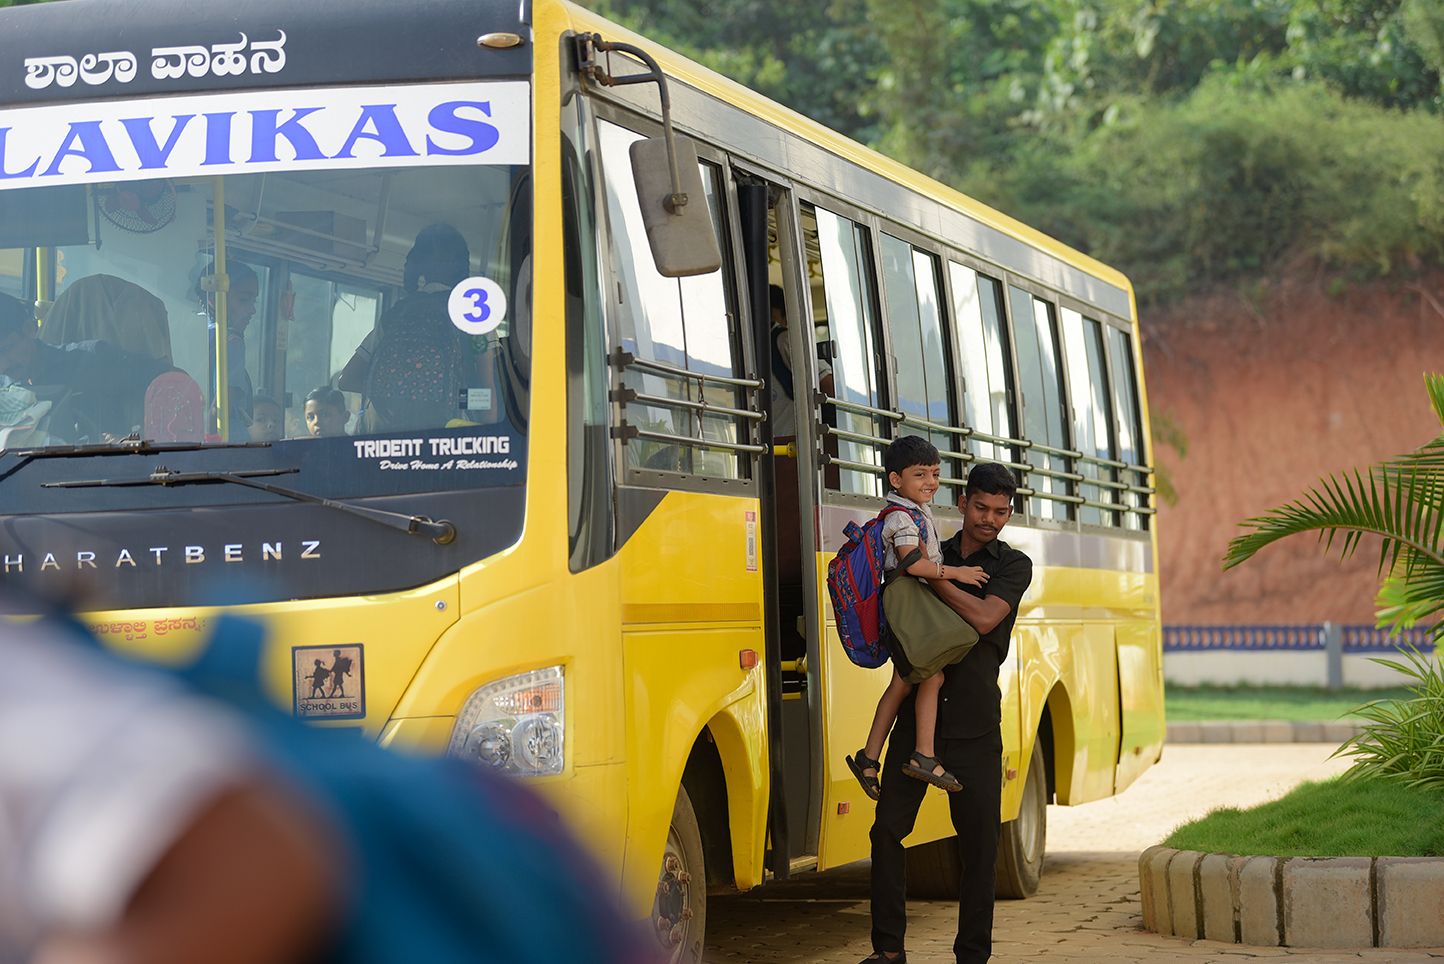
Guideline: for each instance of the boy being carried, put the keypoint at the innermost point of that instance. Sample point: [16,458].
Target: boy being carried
[913,470]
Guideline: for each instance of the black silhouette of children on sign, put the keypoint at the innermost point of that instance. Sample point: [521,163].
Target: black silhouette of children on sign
[340,669]
[318,681]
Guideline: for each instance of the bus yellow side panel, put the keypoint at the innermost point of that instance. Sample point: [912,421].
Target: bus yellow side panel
[573,621]
[693,605]
[1017,744]
[849,700]
[1140,671]
[1095,685]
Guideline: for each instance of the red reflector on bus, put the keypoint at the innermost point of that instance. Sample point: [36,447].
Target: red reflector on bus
[843,808]
[748,658]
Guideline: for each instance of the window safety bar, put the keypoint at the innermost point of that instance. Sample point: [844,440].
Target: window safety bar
[934,426]
[854,466]
[984,436]
[824,399]
[1066,453]
[1022,467]
[1110,506]
[854,436]
[625,359]
[627,432]
[628,395]
[1105,483]
[1055,474]
[1050,496]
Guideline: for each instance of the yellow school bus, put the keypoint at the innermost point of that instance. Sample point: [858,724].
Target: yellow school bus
[508,469]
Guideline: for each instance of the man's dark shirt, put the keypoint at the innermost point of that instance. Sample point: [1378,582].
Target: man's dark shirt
[107,384]
[969,701]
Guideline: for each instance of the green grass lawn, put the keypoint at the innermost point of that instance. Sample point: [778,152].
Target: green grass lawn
[1331,818]
[1244,702]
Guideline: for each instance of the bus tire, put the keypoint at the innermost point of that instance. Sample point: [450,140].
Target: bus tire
[679,912]
[934,870]
[1024,839]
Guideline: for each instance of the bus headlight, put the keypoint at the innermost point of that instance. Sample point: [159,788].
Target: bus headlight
[514,726]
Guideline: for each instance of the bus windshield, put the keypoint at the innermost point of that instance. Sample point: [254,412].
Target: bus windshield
[361,303]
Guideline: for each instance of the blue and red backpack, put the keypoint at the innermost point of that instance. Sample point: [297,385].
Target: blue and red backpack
[855,579]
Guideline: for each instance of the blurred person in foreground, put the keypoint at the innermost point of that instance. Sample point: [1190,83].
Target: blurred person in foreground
[149,817]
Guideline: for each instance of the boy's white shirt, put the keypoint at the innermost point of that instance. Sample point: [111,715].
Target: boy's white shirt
[899,529]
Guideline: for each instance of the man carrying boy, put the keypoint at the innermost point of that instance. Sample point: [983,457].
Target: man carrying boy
[969,738]
[914,472]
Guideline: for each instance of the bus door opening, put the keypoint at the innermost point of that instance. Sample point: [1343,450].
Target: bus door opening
[774,295]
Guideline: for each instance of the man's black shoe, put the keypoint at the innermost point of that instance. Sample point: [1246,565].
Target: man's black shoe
[878,957]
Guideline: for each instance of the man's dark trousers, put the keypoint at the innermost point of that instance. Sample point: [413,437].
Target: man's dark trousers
[977,764]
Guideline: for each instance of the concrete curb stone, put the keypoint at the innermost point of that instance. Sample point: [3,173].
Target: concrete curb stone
[1345,902]
[1328,901]
[1262,731]
[1411,901]
[1153,887]
[1183,893]
[1258,905]
[1216,897]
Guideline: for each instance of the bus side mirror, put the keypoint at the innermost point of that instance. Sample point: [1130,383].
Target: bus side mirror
[682,237]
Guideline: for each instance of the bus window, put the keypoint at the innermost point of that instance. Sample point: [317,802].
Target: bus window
[679,322]
[983,347]
[911,280]
[1043,408]
[1092,425]
[308,279]
[1130,420]
[847,287]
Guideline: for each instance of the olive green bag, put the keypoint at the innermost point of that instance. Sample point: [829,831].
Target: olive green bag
[930,633]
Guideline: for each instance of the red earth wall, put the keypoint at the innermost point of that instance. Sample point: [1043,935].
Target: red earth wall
[1273,392]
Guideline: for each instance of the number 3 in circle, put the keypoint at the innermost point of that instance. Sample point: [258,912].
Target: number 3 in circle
[477,306]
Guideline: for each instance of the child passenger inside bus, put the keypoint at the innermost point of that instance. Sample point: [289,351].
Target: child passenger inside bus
[267,419]
[326,412]
[98,389]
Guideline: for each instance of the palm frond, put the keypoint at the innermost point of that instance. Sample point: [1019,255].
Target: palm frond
[1434,382]
[1401,500]
[1381,504]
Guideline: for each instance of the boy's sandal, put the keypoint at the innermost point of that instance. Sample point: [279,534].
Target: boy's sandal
[860,762]
[922,768]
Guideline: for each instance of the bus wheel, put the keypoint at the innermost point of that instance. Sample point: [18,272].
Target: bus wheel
[1020,851]
[679,914]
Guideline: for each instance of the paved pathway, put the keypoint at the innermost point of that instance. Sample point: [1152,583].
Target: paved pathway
[1087,908]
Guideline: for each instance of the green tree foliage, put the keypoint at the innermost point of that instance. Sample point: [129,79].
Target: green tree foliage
[1233,181]
[1189,142]
[818,58]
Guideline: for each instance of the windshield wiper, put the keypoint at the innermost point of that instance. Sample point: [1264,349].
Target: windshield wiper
[441,533]
[131,445]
